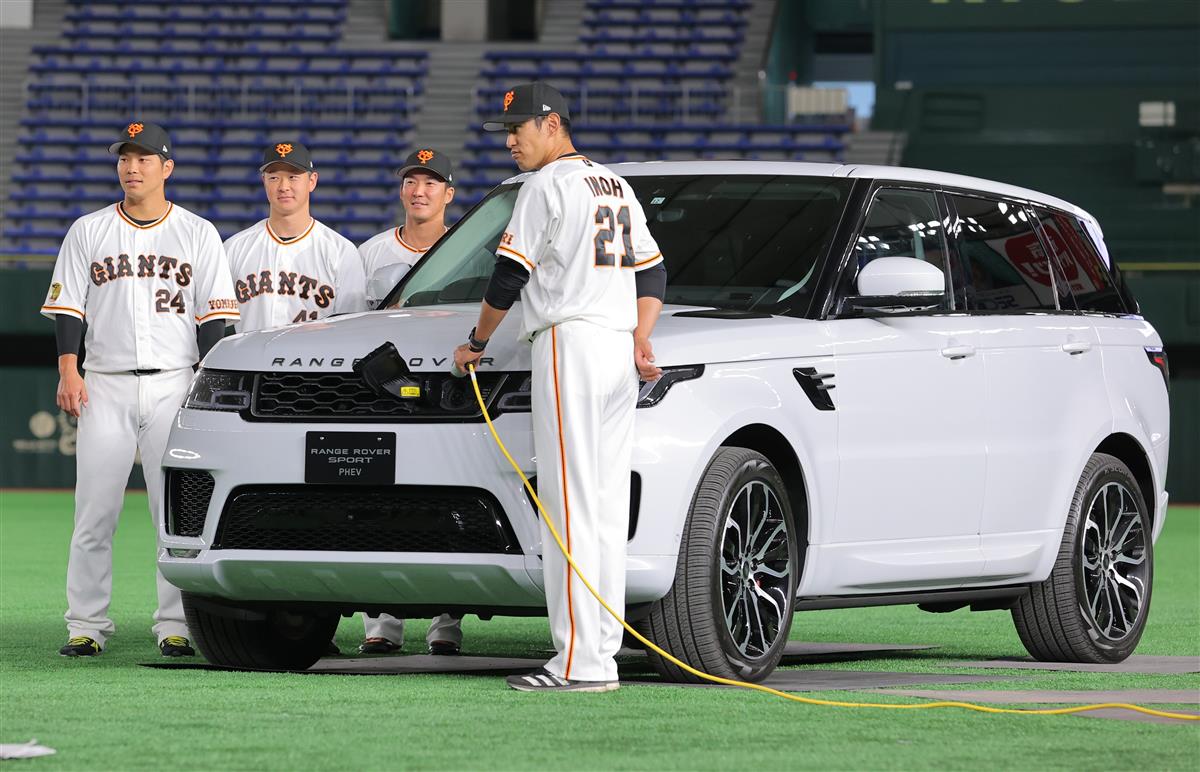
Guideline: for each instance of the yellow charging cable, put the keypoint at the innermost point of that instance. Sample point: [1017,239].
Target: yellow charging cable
[767,689]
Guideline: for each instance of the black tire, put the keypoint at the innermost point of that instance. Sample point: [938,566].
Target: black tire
[690,621]
[1081,612]
[267,639]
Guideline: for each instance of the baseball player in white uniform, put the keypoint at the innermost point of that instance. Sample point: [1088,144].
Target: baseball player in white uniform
[426,188]
[151,281]
[591,282]
[290,267]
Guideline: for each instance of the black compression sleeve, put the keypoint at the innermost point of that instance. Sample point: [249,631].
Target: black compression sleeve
[208,334]
[68,333]
[504,287]
[652,282]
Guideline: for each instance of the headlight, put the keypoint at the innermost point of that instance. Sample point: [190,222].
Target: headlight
[650,393]
[219,390]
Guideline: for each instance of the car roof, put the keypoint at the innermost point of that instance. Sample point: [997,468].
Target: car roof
[863,171]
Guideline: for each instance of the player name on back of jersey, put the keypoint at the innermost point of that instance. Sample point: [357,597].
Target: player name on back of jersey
[604,186]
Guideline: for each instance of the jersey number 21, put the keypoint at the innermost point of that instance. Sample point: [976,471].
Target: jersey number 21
[605,235]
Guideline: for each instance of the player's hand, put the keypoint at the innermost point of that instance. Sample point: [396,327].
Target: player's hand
[463,356]
[72,392]
[643,358]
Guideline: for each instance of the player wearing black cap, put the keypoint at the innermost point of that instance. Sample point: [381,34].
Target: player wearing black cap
[426,189]
[580,256]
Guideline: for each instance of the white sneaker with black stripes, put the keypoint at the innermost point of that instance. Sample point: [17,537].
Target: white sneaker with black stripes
[542,680]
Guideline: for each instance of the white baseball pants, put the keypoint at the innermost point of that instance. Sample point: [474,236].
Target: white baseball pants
[443,628]
[125,413]
[584,396]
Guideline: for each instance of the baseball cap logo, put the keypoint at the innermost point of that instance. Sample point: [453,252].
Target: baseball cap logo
[134,129]
[508,99]
[425,156]
[283,148]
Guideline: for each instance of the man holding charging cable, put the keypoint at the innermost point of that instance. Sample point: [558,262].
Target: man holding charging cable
[579,255]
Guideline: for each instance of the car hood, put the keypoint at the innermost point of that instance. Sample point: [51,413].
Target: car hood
[426,338]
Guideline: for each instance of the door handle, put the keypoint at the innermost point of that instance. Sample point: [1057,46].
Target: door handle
[1077,347]
[958,352]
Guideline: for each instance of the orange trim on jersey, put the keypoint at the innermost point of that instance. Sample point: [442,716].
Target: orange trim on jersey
[524,260]
[408,246]
[281,242]
[123,216]
[562,455]
[230,314]
[648,259]
[572,157]
[64,309]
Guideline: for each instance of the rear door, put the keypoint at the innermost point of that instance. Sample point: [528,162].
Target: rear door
[1044,401]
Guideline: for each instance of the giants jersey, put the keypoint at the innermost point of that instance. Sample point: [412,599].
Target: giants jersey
[142,289]
[278,282]
[387,248]
[581,233]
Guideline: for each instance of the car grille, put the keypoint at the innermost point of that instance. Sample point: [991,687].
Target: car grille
[188,494]
[346,397]
[348,518]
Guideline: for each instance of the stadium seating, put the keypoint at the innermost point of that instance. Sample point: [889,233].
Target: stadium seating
[651,80]
[226,77]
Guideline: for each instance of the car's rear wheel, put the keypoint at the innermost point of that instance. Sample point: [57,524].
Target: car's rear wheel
[1093,606]
[268,639]
[729,609]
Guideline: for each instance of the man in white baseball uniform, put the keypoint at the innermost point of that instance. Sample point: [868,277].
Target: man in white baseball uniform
[591,282]
[290,267]
[426,188]
[151,281]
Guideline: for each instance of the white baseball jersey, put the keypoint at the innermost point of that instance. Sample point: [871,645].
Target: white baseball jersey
[581,233]
[277,282]
[142,289]
[387,248]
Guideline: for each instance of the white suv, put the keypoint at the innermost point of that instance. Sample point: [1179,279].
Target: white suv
[881,386]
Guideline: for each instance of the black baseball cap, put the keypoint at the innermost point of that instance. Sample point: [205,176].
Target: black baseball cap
[291,153]
[528,100]
[148,136]
[427,159]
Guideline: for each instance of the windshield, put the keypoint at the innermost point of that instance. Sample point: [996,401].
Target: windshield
[738,243]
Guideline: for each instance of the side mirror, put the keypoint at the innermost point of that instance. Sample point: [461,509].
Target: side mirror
[382,282]
[892,285]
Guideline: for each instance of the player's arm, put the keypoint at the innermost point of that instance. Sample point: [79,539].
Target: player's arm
[651,281]
[215,303]
[64,304]
[351,281]
[517,254]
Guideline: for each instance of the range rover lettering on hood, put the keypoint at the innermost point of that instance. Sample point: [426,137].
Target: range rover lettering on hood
[413,362]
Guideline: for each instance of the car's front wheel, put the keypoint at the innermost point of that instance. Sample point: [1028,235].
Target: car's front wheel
[1094,604]
[729,610]
[265,639]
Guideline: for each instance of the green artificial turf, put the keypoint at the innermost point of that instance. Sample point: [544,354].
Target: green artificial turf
[108,713]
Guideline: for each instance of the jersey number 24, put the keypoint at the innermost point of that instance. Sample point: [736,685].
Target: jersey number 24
[606,234]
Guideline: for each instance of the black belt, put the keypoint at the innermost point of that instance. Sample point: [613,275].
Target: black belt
[144,372]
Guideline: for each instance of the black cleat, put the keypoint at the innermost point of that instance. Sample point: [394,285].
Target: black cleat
[176,646]
[80,646]
[542,680]
[333,650]
[377,646]
[444,649]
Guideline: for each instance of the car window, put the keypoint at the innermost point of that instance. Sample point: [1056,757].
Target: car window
[1083,269]
[898,223]
[1004,265]
[735,242]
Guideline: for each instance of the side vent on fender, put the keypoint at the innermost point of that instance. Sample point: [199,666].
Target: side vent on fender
[815,385]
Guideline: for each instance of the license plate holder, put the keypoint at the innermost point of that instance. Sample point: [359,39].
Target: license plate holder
[363,458]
